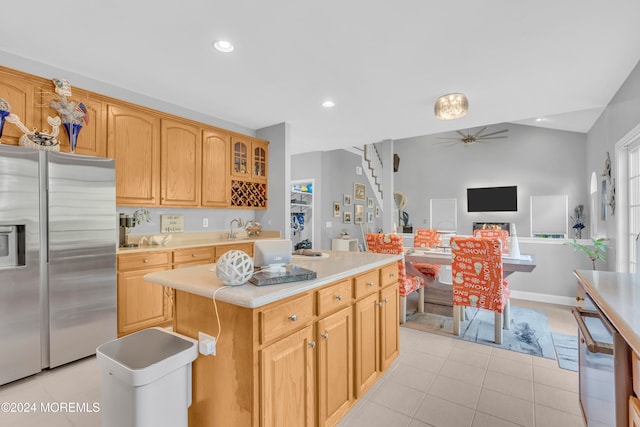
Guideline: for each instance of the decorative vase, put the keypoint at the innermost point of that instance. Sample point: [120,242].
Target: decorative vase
[73,129]
[3,114]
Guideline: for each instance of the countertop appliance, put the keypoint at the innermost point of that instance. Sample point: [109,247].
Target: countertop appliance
[58,277]
[603,363]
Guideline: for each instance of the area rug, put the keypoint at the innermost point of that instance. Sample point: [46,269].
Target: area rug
[566,347]
[529,332]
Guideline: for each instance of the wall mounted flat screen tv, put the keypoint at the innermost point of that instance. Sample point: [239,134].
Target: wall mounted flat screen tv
[492,199]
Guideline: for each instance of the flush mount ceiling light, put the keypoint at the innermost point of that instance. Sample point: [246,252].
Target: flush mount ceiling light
[223,46]
[328,104]
[451,106]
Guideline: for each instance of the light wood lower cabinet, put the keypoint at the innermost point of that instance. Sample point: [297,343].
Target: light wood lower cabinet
[141,304]
[287,381]
[301,361]
[245,247]
[335,366]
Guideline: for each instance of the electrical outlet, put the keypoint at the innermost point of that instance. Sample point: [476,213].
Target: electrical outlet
[205,222]
[206,344]
[329,225]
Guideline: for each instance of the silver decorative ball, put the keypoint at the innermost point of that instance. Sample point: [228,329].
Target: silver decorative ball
[234,268]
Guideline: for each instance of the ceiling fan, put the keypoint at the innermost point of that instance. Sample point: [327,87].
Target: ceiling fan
[480,136]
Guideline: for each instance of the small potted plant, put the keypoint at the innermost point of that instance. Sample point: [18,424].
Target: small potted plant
[597,252]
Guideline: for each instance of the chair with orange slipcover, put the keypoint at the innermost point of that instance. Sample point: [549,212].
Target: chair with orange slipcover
[503,235]
[478,279]
[427,238]
[392,244]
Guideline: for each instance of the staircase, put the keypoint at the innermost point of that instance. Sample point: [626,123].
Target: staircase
[372,165]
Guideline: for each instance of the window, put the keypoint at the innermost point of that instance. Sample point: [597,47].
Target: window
[633,197]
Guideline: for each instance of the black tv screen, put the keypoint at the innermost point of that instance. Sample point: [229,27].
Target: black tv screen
[492,199]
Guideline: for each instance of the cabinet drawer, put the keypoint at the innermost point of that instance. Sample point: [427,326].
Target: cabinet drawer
[142,260]
[286,317]
[389,274]
[202,255]
[635,368]
[245,247]
[334,296]
[366,284]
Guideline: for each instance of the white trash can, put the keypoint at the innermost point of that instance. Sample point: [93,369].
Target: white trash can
[146,379]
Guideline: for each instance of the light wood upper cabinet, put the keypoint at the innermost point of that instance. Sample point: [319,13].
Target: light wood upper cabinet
[134,143]
[181,164]
[249,158]
[19,93]
[260,164]
[216,184]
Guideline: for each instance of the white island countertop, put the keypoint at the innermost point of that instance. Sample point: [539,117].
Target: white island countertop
[202,279]
[617,295]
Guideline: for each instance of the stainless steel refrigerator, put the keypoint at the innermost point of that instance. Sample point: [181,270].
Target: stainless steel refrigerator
[58,242]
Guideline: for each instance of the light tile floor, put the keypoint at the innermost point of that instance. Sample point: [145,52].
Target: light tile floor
[436,381]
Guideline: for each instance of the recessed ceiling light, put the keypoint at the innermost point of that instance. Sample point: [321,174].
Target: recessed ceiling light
[328,104]
[223,46]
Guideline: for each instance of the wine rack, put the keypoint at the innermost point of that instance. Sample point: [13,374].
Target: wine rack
[247,194]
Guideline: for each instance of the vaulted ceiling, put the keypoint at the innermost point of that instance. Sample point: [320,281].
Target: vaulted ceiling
[383,63]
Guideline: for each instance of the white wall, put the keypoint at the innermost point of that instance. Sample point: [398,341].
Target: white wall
[539,161]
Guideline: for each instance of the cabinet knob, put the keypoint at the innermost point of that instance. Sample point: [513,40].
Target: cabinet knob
[579,298]
[193,255]
[312,344]
[339,297]
[380,304]
[370,284]
[325,335]
[392,274]
[386,300]
[293,317]
[146,260]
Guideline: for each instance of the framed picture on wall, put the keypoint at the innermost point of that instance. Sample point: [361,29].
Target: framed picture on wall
[370,202]
[370,216]
[377,211]
[603,199]
[347,218]
[359,191]
[358,214]
[346,200]
[336,209]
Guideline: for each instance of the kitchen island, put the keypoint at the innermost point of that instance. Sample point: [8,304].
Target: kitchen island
[293,354]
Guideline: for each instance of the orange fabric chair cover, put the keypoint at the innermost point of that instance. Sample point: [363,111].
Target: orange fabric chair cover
[477,273]
[426,238]
[392,244]
[503,235]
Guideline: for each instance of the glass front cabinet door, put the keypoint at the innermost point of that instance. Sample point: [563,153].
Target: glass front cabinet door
[240,158]
[259,160]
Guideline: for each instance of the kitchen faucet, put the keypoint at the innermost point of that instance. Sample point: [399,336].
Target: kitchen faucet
[233,234]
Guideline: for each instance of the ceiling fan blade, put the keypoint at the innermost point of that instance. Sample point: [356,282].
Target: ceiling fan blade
[479,132]
[495,133]
[463,134]
[491,137]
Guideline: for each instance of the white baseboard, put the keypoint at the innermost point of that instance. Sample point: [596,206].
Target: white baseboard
[551,299]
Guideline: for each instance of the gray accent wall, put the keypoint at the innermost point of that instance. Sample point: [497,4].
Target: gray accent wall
[275,217]
[335,174]
[538,161]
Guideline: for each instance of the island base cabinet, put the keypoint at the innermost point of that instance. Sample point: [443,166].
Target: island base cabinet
[389,333]
[287,381]
[335,366]
[367,343]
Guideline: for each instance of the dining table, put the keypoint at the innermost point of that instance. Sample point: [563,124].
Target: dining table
[441,294]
